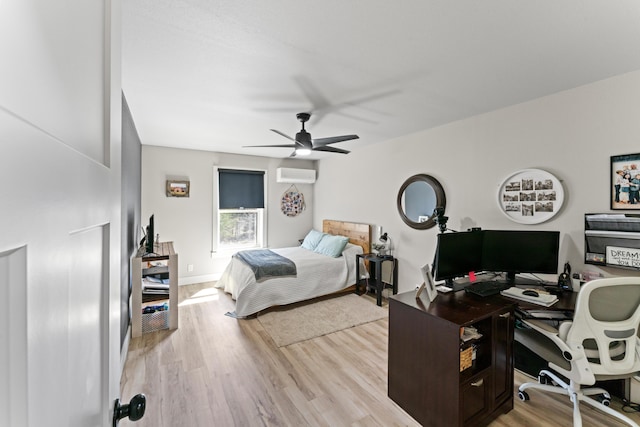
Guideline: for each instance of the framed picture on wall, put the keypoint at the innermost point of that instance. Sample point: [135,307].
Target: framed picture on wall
[625,181]
[177,188]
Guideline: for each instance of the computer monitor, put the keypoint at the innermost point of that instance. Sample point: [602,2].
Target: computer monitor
[457,254]
[514,251]
[499,251]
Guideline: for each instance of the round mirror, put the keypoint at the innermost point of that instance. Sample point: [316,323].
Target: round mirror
[417,198]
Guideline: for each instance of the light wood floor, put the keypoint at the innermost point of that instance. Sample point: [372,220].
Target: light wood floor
[218,371]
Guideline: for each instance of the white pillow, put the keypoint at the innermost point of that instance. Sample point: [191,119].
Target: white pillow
[312,239]
[331,245]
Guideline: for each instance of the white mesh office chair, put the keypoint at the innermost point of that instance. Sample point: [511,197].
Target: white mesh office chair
[601,343]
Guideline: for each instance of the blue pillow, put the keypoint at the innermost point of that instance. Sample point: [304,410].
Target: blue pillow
[313,238]
[331,245]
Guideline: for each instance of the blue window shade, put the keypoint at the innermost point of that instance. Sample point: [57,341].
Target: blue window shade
[240,189]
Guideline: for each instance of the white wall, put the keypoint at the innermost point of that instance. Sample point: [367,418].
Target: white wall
[188,222]
[571,134]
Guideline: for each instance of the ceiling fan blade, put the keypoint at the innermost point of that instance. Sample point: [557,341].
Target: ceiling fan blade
[333,139]
[331,149]
[282,134]
[280,146]
[312,93]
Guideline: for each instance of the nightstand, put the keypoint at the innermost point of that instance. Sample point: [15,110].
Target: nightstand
[375,273]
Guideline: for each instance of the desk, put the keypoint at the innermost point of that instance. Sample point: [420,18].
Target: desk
[424,376]
[425,350]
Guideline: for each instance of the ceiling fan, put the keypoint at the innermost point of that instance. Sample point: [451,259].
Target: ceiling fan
[303,143]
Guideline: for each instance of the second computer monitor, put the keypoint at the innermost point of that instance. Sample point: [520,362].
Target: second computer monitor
[500,251]
[517,251]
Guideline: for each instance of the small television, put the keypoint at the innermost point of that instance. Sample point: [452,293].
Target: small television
[457,254]
[149,237]
[516,251]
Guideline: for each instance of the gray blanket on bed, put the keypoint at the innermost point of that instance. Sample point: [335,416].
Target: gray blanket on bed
[266,263]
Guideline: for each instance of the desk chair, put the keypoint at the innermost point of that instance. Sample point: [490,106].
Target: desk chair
[601,343]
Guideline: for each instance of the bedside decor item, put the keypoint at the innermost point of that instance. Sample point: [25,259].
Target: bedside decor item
[530,196]
[386,245]
[625,182]
[177,188]
[292,203]
[417,198]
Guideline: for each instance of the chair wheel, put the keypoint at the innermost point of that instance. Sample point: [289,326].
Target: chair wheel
[604,400]
[523,396]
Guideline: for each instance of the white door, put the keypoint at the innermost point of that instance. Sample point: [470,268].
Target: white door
[59,212]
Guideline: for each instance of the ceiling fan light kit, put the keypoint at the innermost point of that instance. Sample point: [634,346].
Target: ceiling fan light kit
[303,143]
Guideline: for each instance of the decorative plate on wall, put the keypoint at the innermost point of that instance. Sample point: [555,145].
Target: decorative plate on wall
[530,196]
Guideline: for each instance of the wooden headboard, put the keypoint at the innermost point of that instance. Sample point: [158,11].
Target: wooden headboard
[358,233]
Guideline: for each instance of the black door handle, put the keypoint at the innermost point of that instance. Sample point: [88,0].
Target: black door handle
[134,410]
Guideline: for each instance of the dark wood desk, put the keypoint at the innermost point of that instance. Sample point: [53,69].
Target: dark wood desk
[425,351]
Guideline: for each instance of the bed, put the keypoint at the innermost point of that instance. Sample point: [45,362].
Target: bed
[317,274]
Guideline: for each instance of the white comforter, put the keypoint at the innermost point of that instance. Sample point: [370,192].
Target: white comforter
[317,275]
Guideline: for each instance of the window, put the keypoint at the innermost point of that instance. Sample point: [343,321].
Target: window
[240,209]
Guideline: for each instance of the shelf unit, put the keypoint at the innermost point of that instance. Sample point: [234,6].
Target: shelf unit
[162,262]
[425,351]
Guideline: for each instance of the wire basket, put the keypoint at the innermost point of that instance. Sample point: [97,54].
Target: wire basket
[155,321]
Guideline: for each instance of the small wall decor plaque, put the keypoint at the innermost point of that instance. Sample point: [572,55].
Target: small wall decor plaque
[530,196]
[177,188]
[292,203]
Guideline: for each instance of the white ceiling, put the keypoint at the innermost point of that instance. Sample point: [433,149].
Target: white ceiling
[218,74]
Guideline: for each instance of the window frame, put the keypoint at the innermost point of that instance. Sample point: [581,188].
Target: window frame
[261,226]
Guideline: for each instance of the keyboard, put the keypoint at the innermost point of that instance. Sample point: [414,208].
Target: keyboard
[485,289]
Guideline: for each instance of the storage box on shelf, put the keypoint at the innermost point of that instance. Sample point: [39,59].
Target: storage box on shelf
[155,284]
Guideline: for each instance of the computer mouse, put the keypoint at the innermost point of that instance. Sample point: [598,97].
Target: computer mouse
[530,293]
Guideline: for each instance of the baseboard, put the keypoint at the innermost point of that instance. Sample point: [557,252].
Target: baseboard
[198,279]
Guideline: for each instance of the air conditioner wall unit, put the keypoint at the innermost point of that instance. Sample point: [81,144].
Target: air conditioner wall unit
[295,176]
